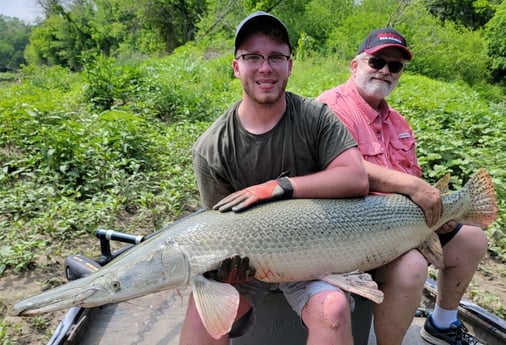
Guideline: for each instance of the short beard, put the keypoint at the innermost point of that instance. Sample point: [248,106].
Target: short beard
[266,99]
[374,88]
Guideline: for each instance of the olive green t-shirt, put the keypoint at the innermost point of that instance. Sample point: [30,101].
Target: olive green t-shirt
[227,158]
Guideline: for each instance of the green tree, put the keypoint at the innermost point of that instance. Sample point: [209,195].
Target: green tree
[64,35]
[112,28]
[14,36]
[495,33]
[173,20]
[472,14]
[53,43]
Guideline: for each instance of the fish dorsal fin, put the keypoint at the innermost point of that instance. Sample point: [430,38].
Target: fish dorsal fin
[357,283]
[432,251]
[443,183]
[216,303]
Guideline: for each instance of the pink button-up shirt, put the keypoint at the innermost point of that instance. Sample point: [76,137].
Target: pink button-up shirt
[384,137]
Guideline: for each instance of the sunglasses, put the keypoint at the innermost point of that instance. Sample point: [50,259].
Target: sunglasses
[378,63]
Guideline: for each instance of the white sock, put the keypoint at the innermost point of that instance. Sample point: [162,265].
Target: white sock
[442,318]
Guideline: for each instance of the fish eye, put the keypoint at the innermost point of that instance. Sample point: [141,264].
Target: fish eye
[115,285]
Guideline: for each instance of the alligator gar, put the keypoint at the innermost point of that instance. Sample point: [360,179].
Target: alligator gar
[286,241]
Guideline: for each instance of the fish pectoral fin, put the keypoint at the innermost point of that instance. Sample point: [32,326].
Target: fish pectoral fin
[357,283]
[432,251]
[216,303]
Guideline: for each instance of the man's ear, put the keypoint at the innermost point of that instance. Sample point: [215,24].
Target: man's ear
[235,66]
[353,64]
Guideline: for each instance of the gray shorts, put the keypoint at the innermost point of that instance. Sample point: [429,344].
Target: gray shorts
[297,294]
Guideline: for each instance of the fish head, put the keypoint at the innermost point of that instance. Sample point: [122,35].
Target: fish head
[144,269]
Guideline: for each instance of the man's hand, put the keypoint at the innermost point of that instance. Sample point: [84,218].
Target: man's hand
[270,190]
[429,200]
[234,270]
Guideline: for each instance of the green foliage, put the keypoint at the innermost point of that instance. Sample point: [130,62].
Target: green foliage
[112,28]
[469,13]
[188,86]
[495,34]
[458,132]
[49,78]
[312,75]
[14,36]
[79,170]
[8,330]
[53,43]
[445,52]
[452,40]
[174,20]
[108,82]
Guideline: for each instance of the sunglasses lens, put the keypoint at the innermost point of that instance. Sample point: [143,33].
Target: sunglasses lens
[379,63]
[394,66]
[376,63]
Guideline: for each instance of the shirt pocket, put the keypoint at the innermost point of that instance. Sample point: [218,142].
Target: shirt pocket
[371,149]
[403,152]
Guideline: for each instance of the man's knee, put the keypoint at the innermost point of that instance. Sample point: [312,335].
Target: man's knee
[467,247]
[476,240]
[328,309]
[408,272]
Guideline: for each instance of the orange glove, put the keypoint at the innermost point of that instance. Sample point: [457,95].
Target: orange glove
[270,190]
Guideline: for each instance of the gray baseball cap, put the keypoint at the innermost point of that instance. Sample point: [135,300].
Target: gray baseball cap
[260,21]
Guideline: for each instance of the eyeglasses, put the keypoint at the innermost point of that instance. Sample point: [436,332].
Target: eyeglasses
[257,60]
[378,63]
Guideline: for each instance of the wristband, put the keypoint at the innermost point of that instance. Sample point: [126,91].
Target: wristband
[287,187]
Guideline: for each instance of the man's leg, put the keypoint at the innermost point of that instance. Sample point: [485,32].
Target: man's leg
[402,284]
[327,317]
[324,310]
[193,331]
[462,254]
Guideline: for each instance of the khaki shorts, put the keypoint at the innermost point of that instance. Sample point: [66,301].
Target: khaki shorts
[297,294]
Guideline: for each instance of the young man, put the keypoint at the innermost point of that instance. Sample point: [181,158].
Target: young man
[270,145]
[387,145]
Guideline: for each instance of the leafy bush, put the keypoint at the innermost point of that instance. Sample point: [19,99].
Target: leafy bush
[187,86]
[109,82]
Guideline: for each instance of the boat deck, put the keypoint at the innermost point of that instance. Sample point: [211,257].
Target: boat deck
[157,319]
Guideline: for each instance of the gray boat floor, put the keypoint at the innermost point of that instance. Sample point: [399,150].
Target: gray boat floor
[156,319]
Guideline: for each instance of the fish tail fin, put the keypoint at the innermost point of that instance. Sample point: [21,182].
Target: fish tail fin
[483,210]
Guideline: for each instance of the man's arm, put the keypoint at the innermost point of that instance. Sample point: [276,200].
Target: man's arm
[344,177]
[386,180]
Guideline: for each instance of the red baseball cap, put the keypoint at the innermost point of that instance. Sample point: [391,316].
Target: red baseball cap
[383,38]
